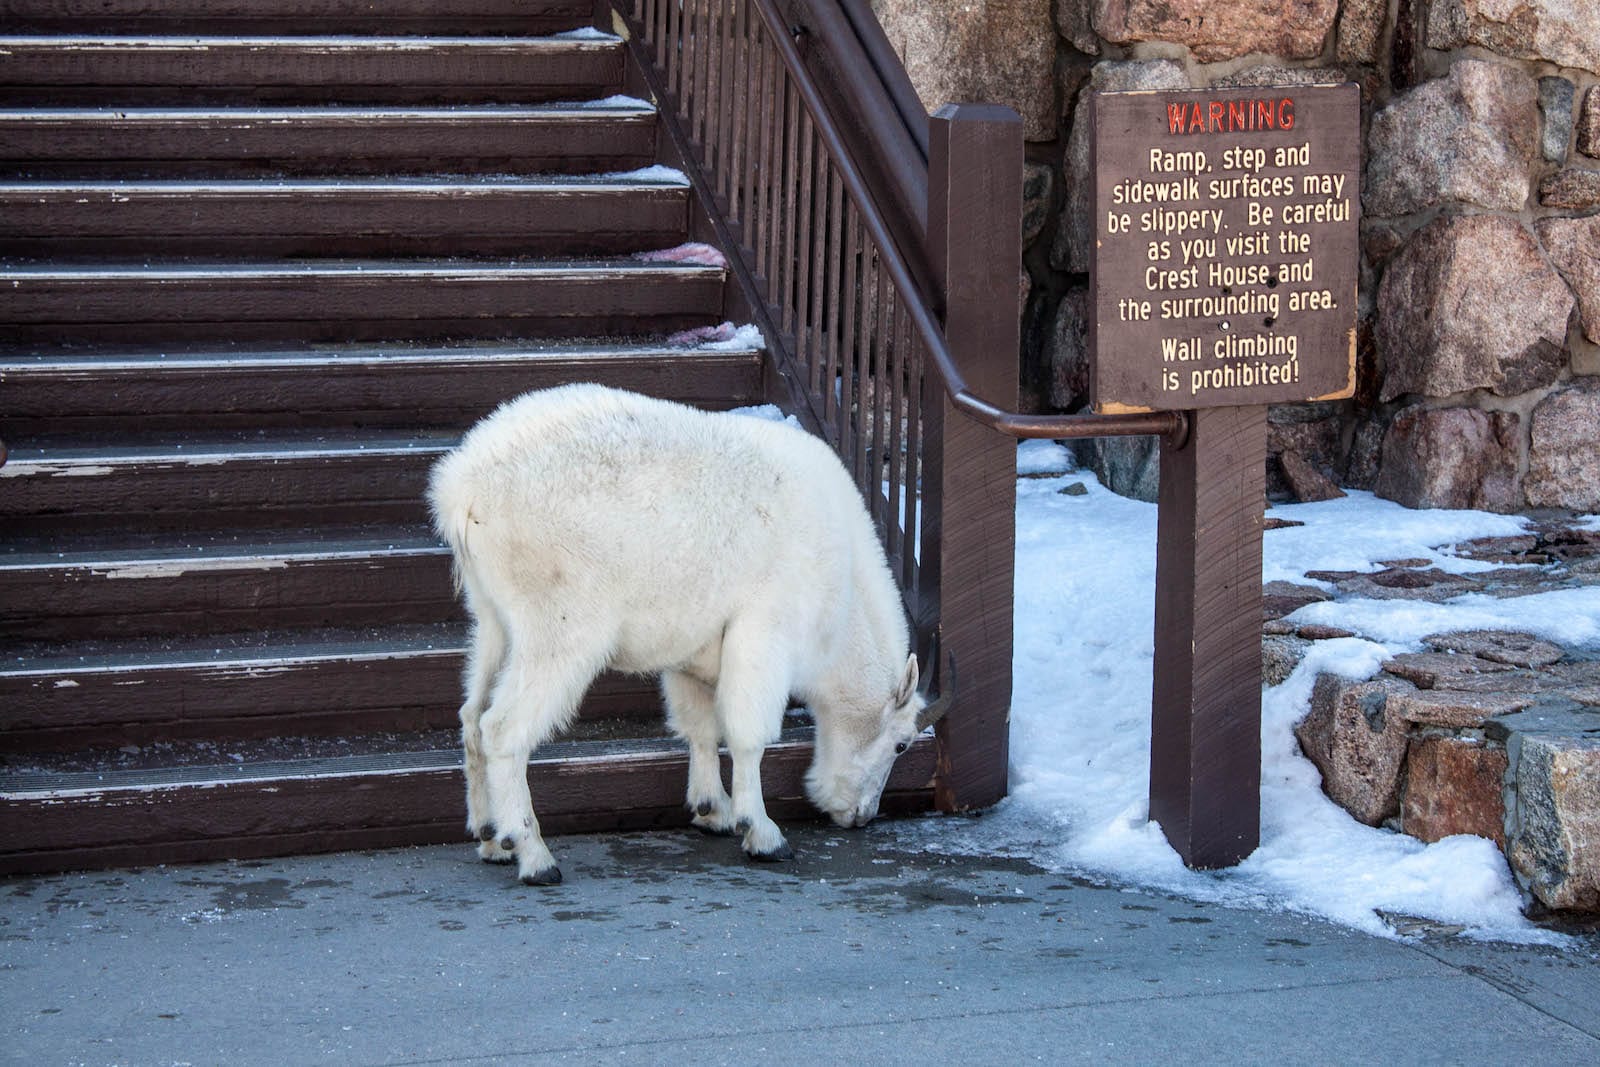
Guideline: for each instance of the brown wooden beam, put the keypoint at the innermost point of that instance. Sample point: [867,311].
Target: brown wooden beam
[1205,729]
[974,233]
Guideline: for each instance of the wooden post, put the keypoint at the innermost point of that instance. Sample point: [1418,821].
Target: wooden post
[975,238]
[1205,743]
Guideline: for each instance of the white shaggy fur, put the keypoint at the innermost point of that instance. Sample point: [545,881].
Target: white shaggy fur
[595,528]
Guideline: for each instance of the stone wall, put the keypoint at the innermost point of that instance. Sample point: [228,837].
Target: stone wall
[1479,342]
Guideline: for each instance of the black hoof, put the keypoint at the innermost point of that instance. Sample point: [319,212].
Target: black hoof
[548,876]
[486,833]
[778,855]
[703,808]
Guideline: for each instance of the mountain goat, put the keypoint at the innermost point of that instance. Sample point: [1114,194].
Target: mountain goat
[594,528]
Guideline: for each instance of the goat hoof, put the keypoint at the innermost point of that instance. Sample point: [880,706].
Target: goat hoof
[778,855]
[742,825]
[548,876]
[485,833]
[508,843]
[711,829]
[703,808]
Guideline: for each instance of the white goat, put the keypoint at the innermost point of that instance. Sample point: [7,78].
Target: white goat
[596,528]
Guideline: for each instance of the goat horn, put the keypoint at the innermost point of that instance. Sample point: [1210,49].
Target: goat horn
[944,676]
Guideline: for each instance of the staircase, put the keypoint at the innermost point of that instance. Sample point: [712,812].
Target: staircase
[261,262]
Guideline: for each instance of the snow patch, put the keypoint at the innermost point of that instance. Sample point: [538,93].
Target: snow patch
[693,252]
[1080,719]
[586,33]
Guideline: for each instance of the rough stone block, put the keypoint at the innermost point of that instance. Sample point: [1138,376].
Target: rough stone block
[1361,26]
[1577,190]
[1574,247]
[1510,647]
[1555,101]
[1553,838]
[1128,466]
[1038,182]
[1557,31]
[1471,303]
[1305,480]
[1071,249]
[997,51]
[1067,350]
[1468,137]
[1564,448]
[1589,123]
[1213,31]
[1455,710]
[1279,657]
[1454,786]
[1440,670]
[1451,458]
[1074,21]
[1359,746]
[1280,598]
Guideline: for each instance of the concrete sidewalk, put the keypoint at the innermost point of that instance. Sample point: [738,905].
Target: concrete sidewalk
[668,948]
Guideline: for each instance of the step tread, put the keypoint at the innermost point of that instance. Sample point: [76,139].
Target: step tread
[611,107]
[231,651]
[646,179]
[548,42]
[69,455]
[155,270]
[110,360]
[33,778]
[154,554]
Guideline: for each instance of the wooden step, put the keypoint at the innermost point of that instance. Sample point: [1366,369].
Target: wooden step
[298,16]
[126,71]
[394,385]
[614,134]
[128,586]
[260,805]
[343,300]
[197,481]
[76,695]
[543,216]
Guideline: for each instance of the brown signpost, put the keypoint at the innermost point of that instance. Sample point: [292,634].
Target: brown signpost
[1223,280]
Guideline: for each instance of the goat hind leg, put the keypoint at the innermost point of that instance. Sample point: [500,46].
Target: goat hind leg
[486,654]
[692,714]
[525,711]
[751,699]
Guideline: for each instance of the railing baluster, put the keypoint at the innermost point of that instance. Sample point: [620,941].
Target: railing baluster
[702,13]
[769,57]
[847,332]
[810,256]
[674,41]
[913,476]
[896,474]
[791,206]
[836,258]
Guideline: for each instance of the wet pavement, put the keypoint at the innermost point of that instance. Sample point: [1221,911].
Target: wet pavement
[669,948]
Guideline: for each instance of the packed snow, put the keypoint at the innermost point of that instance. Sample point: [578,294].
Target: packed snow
[1080,713]
[1080,719]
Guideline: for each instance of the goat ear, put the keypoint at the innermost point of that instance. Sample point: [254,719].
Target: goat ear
[908,682]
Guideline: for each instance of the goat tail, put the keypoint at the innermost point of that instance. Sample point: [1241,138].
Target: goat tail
[450,499]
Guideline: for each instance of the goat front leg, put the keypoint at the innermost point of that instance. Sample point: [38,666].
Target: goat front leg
[763,841]
[751,698]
